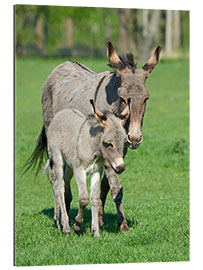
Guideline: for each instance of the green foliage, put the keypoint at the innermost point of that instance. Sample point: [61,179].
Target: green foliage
[88,22]
[91,27]
[185,39]
[156,180]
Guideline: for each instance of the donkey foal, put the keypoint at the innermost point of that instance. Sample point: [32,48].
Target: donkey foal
[83,144]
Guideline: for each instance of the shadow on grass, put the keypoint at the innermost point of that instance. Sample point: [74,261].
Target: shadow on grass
[110,220]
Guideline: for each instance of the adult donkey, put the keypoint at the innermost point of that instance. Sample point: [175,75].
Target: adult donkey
[72,85]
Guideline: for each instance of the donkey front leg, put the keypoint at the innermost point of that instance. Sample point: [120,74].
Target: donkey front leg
[111,182]
[80,177]
[95,200]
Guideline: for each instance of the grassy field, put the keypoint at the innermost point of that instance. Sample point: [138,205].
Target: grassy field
[156,179]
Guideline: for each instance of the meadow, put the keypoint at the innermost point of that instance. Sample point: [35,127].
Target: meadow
[155,182]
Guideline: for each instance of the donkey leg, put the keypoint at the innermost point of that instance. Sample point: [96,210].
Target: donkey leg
[104,191]
[52,177]
[80,177]
[56,175]
[68,174]
[117,195]
[56,210]
[95,199]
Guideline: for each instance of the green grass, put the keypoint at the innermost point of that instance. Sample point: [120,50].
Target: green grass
[156,180]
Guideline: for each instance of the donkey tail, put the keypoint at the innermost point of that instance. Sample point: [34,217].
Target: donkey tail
[38,155]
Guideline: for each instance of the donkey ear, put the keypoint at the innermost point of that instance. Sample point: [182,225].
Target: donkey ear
[152,62]
[114,59]
[126,112]
[98,115]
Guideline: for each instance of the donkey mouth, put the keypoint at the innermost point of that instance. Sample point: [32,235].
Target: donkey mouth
[133,146]
[119,169]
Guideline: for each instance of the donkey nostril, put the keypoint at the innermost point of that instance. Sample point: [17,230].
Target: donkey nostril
[140,140]
[120,168]
[135,140]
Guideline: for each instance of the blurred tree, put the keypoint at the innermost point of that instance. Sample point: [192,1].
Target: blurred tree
[108,27]
[168,33]
[135,26]
[176,29]
[145,22]
[56,30]
[124,41]
[148,40]
[39,31]
[69,32]
[185,27]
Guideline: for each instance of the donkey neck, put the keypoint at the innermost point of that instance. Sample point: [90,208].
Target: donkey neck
[106,97]
[89,141]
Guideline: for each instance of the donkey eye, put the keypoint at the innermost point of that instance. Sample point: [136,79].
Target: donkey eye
[108,145]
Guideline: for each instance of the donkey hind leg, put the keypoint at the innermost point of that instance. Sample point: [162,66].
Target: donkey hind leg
[68,174]
[56,211]
[56,177]
[80,177]
[95,200]
[117,195]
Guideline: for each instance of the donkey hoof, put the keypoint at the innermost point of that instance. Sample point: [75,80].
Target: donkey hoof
[95,233]
[77,228]
[124,227]
[58,224]
[67,234]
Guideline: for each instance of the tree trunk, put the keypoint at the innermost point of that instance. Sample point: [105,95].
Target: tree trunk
[135,36]
[46,33]
[176,29]
[69,32]
[168,37]
[39,32]
[124,15]
[148,41]
[145,22]
[108,28]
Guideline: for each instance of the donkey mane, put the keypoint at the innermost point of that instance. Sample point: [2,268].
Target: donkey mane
[126,61]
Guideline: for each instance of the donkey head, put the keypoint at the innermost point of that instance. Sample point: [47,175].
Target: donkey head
[113,137]
[133,86]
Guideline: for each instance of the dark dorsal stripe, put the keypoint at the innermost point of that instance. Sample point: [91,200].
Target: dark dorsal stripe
[83,67]
[98,86]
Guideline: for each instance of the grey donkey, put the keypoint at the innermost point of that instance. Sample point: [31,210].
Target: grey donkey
[72,85]
[83,143]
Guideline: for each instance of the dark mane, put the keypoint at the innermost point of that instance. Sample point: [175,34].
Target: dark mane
[126,61]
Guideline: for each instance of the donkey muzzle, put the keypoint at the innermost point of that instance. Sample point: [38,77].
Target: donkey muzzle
[134,142]
[120,169]
[118,165]
[134,135]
